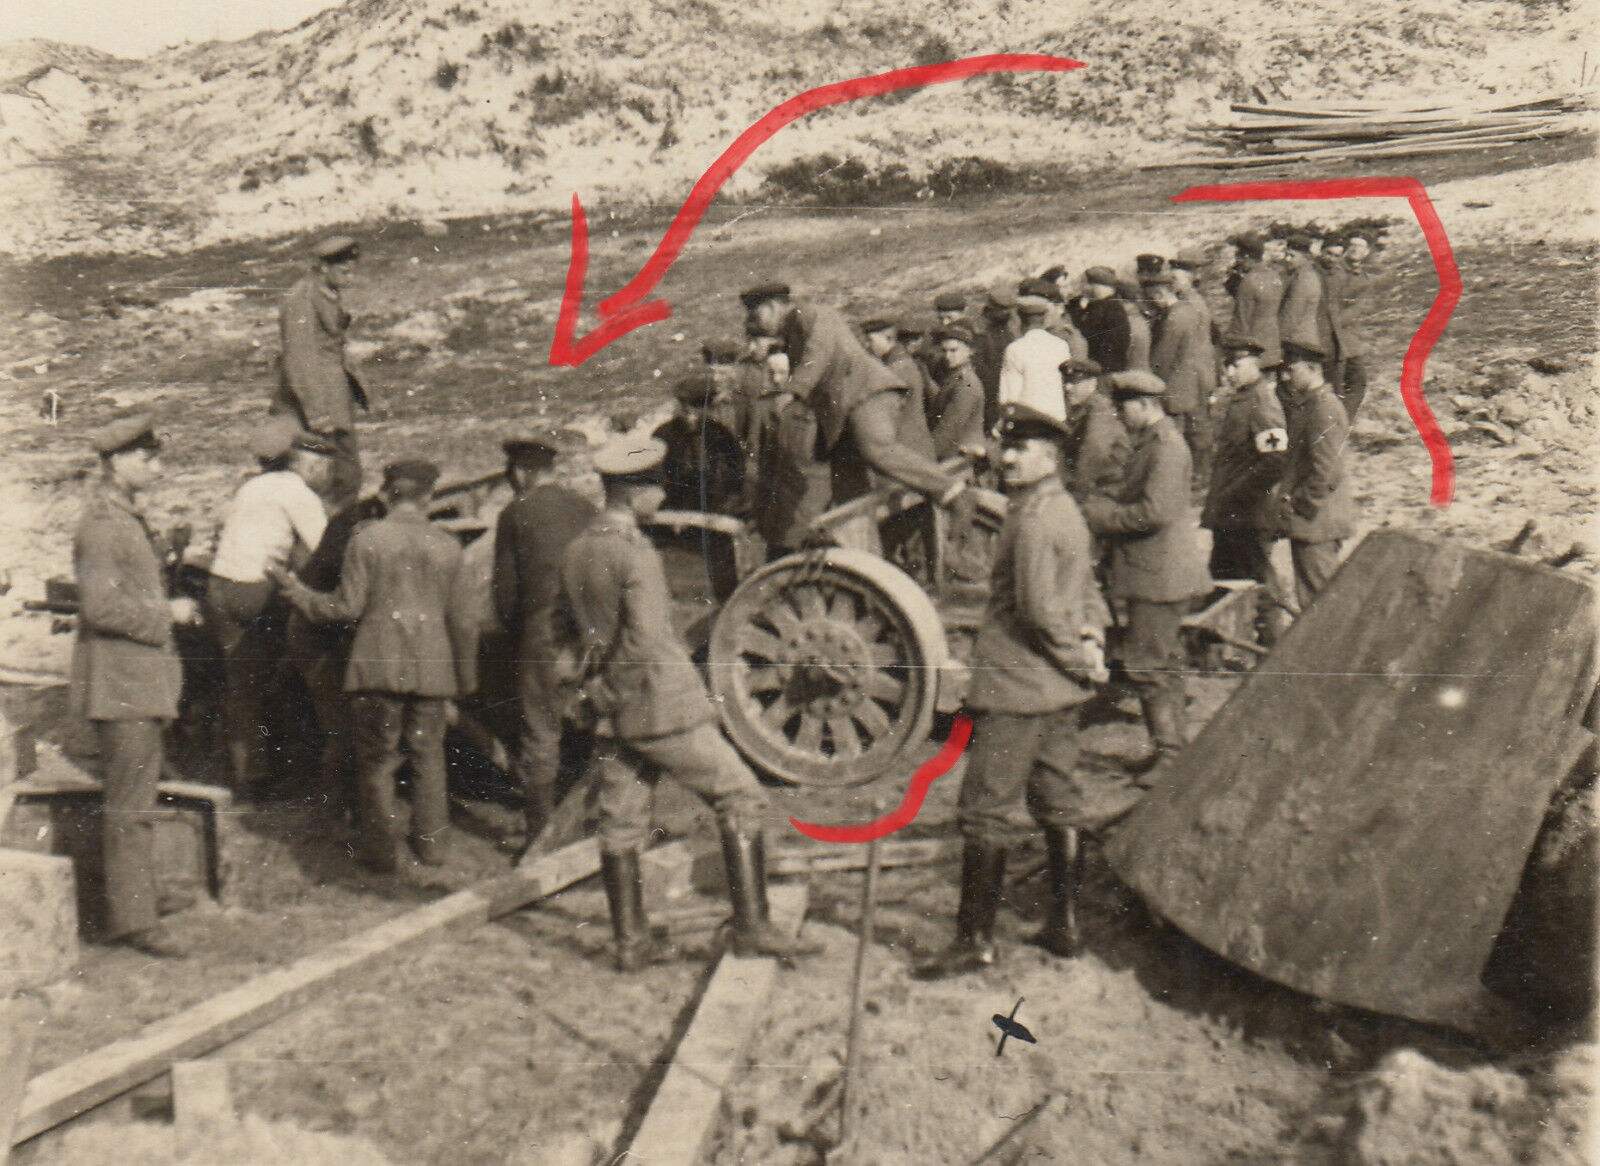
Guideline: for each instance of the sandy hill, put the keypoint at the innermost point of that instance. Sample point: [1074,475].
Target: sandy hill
[428,107]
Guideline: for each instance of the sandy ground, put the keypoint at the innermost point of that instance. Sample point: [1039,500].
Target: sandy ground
[1151,1049]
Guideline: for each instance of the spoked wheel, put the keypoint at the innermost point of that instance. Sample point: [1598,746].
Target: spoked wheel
[826,667]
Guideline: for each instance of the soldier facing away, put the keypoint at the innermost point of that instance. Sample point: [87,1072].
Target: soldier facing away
[655,718]
[414,652]
[530,538]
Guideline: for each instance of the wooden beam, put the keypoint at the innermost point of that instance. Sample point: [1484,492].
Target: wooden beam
[70,1089]
[826,859]
[19,1028]
[202,1104]
[684,1110]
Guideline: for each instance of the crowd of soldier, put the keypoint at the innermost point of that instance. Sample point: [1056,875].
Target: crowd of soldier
[1094,405]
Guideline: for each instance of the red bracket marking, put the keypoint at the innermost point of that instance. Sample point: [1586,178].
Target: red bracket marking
[632,306]
[1433,324]
[902,815]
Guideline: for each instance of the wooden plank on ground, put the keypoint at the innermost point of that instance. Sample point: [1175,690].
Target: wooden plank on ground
[19,1028]
[202,1104]
[821,859]
[684,1110]
[70,1089]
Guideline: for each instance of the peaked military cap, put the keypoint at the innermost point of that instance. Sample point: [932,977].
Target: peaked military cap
[1053,273]
[878,324]
[1135,382]
[632,456]
[543,443]
[1032,305]
[1019,422]
[1299,241]
[955,332]
[1148,263]
[1293,350]
[1190,259]
[761,292]
[1043,288]
[721,351]
[914,326]
[1251,246]
[133,431]
[1080,369]
[337,249]
[949,302]
[695,389]
[1103,276]
[414,471]
[1235,342]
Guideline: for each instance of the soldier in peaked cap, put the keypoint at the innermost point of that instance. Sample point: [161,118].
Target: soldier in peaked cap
[955,402]
[1182,358]
[1037,658]
[530,538]
[864,430]
[275,521]
[415,651]
[1030,371]
[316,385]
[1156,564]
[655,718]
[1242,509]
[1106,329]
[705,463]
[1317,508]
[1096,444]
[1257,300]
[1000,328]
[126,677]
[731,402]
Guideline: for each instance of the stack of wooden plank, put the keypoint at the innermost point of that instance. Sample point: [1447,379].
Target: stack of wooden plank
[1268,134]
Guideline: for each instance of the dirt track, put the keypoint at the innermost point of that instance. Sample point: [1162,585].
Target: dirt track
[1158,1052]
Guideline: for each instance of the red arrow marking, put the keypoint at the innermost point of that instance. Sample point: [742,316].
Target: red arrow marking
[631,307]
[1433,324]
[902,815]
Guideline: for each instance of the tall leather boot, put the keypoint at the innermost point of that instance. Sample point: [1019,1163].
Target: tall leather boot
[983,872]
[744,856]
[1163,706]
[1064,856]
[636,946]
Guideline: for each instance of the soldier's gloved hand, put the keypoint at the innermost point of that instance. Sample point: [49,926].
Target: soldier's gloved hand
[184,610]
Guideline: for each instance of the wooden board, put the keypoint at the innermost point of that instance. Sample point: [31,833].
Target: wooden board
[19,1029]
[822,858]
[684,1110]
[70,1089]
[1355,820]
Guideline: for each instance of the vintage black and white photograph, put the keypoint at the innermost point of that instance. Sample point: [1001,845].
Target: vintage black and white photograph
[694,583]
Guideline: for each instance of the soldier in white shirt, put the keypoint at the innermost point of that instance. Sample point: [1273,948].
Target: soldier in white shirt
[274,521]
[1030,371]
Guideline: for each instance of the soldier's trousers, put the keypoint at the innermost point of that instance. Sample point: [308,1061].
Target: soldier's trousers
[1197,433]
[700,759]
[1022,770]
[345,485]
[1314,565]
[384,723]
[323,675]
[1153,657]
[1351,387]
[249,628]
[130,758]
[538,760]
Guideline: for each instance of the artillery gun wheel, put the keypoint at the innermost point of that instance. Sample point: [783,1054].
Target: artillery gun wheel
[826,667]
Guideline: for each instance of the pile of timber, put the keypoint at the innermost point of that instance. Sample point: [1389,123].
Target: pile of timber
[1268,134]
